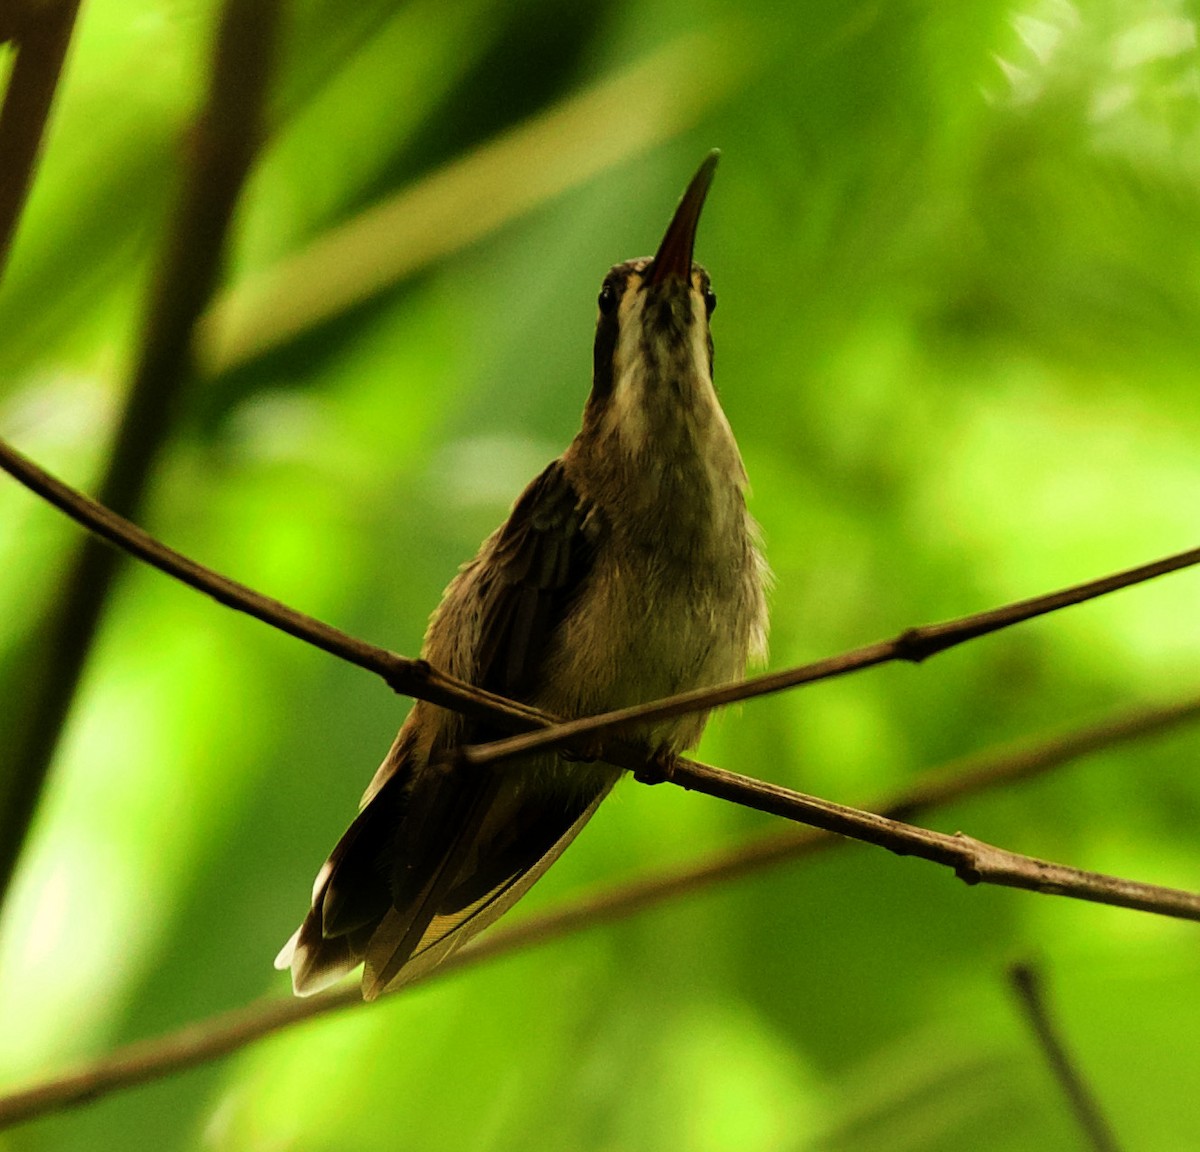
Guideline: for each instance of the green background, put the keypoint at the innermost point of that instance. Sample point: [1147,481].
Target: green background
[958,264]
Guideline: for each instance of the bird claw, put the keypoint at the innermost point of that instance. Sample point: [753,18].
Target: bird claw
[658,769]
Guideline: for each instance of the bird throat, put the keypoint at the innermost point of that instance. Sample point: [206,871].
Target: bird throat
[667,448]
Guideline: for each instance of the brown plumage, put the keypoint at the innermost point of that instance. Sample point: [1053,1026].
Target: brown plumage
[628,570]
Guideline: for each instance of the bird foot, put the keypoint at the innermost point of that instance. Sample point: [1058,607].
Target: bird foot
[658,769]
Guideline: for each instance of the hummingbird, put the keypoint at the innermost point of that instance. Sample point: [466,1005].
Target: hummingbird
[628,570]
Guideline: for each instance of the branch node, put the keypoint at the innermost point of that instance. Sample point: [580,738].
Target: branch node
[912,645]
[968,874]
[968,866]
[398,674]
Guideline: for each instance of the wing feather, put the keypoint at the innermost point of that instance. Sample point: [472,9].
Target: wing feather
[471,842]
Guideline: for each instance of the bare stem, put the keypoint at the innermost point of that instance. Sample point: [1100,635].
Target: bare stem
[419,679]
[42,34]
[411,677]
[223,146]
[972,860]
[913,645]
[1027,984]
[220,1035]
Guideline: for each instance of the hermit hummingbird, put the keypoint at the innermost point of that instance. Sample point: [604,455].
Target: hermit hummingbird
[628,570]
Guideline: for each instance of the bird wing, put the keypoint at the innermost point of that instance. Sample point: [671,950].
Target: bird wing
[539,561]
[475,839]
[439,853]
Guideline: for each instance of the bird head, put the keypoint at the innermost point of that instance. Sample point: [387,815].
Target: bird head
[653,353]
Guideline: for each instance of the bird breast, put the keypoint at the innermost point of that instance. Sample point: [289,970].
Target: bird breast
[674,600]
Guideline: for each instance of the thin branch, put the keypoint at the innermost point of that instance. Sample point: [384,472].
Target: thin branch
[1027,984]
[957,780]
[913,645]
[972,860]
[419,679]
[223,146]
[228,1032]
[42,34]
[410,677]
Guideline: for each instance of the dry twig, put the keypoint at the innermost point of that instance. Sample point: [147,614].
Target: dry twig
[1027,984]
[972,860]
[228,1032]
[913,645]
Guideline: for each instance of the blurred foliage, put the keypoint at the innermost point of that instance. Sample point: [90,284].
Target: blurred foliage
[956,251]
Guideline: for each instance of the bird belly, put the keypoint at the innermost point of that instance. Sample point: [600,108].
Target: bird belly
[637,635]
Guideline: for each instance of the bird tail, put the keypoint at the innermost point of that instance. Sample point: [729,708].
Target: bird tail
[332,940]
[433,858]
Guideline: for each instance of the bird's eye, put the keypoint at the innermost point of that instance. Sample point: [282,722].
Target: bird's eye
[607,300]
[710,301]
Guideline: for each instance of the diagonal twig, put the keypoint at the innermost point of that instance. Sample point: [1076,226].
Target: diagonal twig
[411,677]
[1027,984]
[972,860]
[913,645]
[418,678]
[227,1032]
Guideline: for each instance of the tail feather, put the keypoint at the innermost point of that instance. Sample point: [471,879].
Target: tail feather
[415,877]
[351,895]
[317,962]
[388,968]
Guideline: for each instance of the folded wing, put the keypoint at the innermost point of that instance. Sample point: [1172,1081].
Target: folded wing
[441,850]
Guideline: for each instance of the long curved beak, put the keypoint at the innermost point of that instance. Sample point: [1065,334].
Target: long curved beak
[674,255]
